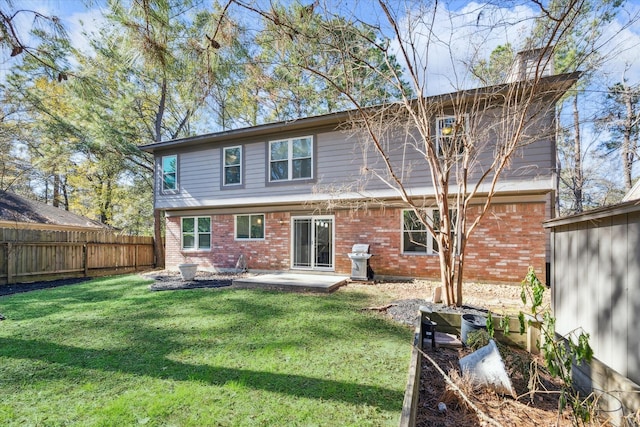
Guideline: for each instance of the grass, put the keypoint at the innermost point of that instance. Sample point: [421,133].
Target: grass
[109,352]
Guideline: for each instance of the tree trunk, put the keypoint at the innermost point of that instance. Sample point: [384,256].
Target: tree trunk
[56,189]
[578,179]
[459,254]
[65,194]
[627,151]
[558,163]
[445,277]
[158,246]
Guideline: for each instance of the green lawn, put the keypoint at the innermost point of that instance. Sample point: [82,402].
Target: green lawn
[109,352]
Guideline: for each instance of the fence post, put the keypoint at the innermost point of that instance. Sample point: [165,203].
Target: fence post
[10,264]
[85,259]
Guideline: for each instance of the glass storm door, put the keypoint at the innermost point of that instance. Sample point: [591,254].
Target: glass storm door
[313,243]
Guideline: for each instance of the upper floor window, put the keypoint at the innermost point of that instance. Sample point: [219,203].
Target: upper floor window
[196,233]
[451,132]
[415,236]
[232,174]
[169,173]
[291,159]
[250,226]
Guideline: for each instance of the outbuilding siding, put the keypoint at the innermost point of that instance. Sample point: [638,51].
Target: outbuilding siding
[595,269]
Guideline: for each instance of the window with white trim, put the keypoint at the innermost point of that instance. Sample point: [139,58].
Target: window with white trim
[169,165]
[196,233]
[291,159]
[250,227]
[416,239]
[451,132]
[232,174]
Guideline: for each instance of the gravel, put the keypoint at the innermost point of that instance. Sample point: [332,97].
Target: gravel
[407,311]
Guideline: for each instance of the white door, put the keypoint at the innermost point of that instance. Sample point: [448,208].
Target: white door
[312,245]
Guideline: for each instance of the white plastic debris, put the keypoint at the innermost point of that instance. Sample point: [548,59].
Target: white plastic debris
[241,265]
[485,367]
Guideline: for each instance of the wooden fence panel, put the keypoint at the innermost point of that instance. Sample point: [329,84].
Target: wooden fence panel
[29,255]
[3,260]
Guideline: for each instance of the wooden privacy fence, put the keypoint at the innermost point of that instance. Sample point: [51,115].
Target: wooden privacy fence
[32,255]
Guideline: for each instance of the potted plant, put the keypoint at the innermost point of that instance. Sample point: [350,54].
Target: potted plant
[187,270]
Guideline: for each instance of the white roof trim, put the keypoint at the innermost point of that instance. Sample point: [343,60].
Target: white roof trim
[506,188]
[634,193]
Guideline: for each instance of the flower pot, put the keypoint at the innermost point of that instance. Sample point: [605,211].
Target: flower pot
[188,271]
[471,323]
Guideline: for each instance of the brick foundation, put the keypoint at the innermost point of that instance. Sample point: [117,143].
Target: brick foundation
[510,238]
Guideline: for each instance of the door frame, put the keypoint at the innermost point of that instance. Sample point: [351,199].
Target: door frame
[313,219]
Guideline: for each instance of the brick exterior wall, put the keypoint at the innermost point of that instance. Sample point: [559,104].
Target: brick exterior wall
[272,253]
[509,239]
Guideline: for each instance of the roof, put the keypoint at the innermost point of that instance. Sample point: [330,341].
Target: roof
[633,193]
[623,208]
[556,85]
[18,209]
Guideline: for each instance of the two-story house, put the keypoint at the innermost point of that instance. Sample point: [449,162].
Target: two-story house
[292,196]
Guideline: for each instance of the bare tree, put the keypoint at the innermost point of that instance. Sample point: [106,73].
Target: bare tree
[466,139]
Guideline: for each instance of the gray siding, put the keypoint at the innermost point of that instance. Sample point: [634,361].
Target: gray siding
[339,160]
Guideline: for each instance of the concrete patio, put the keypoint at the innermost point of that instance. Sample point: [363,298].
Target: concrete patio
[293,282]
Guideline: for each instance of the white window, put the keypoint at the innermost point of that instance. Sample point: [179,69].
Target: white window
[451,133]
[232,174]
[196,233]
[169,166]
[416,239]
[250,227]
[291,159]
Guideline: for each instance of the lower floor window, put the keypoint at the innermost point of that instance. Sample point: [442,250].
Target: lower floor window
[250,226]
[196,233]
[415,236]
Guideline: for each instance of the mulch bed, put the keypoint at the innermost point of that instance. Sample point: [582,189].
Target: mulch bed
[164,281]
[171,281]
[172,284]
[35,286]
[539,410]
